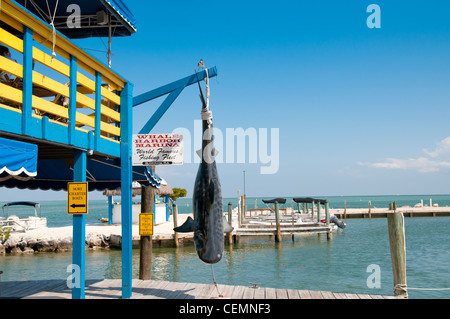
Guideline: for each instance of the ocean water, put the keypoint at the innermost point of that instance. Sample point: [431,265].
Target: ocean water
[310,262]
[56,211]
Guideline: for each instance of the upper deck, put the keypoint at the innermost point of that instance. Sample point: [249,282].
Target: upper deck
[62,101]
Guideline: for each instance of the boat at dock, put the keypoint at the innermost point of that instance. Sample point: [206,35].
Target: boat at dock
[26,223]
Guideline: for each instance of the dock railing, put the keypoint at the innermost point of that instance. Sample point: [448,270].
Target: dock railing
[56,81]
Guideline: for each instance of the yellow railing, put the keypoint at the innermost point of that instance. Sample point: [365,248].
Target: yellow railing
[51,91]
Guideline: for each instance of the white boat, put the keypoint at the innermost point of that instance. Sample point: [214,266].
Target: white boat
[16,223]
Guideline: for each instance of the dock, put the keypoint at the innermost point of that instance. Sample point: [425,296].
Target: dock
[382,212]
[155,289]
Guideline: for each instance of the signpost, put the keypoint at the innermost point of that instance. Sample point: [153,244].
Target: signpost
[77,198]
[152,150]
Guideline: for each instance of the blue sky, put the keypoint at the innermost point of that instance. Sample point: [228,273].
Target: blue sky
[360,111]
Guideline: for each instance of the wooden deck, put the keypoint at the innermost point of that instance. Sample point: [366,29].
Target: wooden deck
[111,289]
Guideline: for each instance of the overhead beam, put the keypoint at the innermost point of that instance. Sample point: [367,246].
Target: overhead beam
[148,127]
[169,88]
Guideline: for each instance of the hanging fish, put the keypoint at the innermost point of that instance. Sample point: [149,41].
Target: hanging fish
[209,224]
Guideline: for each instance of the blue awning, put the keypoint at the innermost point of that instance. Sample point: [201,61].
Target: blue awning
[17,159]
[91,25]
[54,175]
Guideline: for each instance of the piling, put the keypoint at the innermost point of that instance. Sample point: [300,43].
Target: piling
[318,211]
[239,210]
[145,259]
[345,209]
[277,219]
[396,228]
[327,218]
[230,221]
[175,224]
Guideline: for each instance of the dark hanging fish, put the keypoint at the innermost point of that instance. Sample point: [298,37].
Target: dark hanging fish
[209,224]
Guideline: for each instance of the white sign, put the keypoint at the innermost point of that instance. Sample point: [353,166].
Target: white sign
[157,149]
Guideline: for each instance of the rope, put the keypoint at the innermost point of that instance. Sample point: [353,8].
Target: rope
[207,114]
[52,23]
[405,288]
[436,289]
[215,283]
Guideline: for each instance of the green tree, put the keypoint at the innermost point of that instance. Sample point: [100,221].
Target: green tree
[5,233]
[178,193]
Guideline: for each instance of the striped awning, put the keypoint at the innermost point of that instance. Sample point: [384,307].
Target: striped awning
[17,160]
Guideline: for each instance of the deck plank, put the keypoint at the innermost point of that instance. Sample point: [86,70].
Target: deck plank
[293,294]
[304,294]
[249,293]
[154,289]
[271,293]
[260,293]
[238,292]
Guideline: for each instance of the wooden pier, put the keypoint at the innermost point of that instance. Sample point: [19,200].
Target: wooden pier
[154,289]
[383,212]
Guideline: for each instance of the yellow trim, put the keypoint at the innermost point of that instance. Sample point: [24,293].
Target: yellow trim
[16,95]
[11,67]
[42,32]
[10,40]
[11,93]
[3,106]
[52,85]
[110,139]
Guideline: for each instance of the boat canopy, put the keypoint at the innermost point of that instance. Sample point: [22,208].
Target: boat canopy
[273,201]
[94,17]
[310,200]
[31,204]
[17,160]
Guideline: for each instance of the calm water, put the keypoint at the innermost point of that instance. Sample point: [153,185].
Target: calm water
[310,262]
[56,212]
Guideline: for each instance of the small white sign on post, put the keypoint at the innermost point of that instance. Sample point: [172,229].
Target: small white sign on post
[157,149]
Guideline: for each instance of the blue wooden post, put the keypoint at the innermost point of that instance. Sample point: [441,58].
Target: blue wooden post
[79,227]
[126,138]
[73,99]
[27,107]
[98,108]
[110,209]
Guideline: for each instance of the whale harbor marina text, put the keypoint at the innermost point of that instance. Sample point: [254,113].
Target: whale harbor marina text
[229,308]
[157,149]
